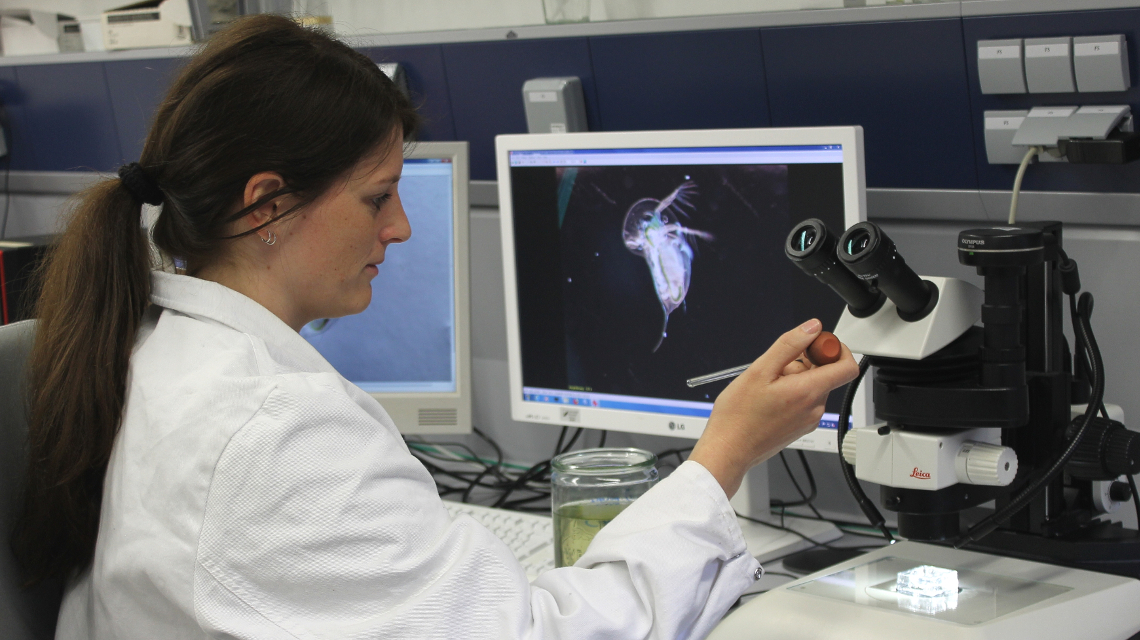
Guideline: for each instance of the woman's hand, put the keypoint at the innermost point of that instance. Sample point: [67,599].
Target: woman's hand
[776,401]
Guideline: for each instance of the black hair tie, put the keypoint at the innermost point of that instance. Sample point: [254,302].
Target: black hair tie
[139,184]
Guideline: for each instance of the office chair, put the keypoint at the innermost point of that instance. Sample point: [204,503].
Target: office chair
[25,614]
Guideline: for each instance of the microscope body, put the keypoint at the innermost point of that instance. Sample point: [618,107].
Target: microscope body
[950,401]
[965,414]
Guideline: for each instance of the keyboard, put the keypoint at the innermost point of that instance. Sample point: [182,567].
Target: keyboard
[530,536]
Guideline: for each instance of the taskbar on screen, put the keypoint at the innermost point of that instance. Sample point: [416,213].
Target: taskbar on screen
[619,402]
[637,403]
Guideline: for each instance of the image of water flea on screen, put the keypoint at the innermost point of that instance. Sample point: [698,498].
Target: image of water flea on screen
[668,266]
[653,231]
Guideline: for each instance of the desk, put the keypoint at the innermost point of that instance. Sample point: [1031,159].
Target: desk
[774,570]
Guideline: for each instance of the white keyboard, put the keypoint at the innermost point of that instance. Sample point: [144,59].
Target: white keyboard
[530,536]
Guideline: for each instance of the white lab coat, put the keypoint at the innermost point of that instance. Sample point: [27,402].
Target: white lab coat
[254,493]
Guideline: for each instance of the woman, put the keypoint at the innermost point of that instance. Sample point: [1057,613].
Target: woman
[198,470]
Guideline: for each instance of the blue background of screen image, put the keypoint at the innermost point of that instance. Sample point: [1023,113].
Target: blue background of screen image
[407,333]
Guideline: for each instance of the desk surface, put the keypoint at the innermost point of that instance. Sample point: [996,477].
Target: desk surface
[775,574]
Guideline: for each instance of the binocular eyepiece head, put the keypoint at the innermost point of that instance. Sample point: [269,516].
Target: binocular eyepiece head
[863,267]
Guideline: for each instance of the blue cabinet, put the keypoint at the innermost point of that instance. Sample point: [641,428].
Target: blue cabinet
[904,82]
[136,88]
[65,119]
[693,80]
[912,85]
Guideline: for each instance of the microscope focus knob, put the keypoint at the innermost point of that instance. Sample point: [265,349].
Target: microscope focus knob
[1119,492]
[849,447]
[986,464]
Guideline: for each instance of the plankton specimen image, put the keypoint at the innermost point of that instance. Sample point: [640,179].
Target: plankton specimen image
[653,231]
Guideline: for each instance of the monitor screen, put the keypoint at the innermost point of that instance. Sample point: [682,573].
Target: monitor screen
[406,346]
[405,340]
[636,269]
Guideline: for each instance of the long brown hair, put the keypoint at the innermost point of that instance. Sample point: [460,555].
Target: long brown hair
[263,95]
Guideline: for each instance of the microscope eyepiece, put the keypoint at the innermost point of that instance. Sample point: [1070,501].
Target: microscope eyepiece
[813,249]
[802,238]
[859,242]
[869,254]
[807,245]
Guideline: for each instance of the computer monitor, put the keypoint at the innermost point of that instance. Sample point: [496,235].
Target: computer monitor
[636,260]
[410,349]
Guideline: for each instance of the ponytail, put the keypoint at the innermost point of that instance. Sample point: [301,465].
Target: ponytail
[95,288]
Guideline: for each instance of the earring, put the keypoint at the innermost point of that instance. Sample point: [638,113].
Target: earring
[271,240]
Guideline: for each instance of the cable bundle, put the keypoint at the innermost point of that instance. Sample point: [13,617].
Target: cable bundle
[518,487]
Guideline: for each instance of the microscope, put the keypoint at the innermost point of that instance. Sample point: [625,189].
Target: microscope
[991,443]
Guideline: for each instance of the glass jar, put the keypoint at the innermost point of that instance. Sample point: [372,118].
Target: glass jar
[589,488]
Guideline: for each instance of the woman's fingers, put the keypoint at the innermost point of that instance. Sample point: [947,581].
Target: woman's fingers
[786,349]
[799,365]
[835,375]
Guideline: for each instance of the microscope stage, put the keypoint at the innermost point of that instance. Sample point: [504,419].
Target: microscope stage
[996,598]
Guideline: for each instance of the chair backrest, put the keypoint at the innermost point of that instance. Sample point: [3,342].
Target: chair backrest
[25,614]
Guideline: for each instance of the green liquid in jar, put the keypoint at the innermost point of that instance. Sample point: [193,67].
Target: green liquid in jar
[576,524]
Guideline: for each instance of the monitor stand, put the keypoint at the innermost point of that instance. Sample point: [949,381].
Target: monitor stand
[768,542]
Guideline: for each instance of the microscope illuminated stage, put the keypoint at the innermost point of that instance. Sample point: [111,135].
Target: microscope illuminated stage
[970,415]
[996,597]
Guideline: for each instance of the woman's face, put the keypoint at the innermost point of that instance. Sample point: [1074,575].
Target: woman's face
[331,249]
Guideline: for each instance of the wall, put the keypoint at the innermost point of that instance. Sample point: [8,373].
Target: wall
[911,84]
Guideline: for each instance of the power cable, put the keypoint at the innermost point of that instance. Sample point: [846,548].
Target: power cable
[1135,499]
[869,509]
[1017,182]
[846,526]
[806,499]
